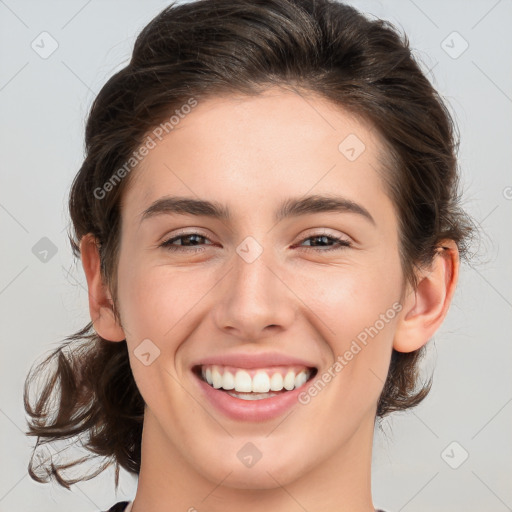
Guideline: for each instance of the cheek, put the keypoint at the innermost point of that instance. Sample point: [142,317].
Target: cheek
[154,302]
[153,298]
[349,299]
[356,309]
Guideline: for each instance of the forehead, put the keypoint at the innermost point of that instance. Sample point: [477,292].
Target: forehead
[243,149]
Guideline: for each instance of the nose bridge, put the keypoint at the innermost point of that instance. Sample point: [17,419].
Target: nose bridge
[253,283]
[252,277]
[254,296]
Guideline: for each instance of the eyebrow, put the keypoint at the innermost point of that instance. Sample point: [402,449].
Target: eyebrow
[293,207]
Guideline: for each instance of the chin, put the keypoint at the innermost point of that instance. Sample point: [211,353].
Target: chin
[266,473]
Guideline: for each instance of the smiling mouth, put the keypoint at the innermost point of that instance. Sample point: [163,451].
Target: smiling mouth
[254,384]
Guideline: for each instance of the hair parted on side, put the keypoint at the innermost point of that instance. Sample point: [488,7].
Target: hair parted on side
[208,48]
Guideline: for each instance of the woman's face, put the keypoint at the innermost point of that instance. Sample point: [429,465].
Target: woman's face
[263,293]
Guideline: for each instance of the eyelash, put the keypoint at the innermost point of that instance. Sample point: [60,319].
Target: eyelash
[341,243]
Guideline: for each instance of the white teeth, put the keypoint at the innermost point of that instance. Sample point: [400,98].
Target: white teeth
[289,380]
[217,378]
[252,396]
[262,382]
[243,381]
[228,381]
[300,379]
[276,382]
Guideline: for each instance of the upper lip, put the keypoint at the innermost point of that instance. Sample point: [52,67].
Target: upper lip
[259,360]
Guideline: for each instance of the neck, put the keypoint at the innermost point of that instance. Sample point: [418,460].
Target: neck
[168,482]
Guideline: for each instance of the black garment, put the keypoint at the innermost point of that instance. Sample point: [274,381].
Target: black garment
[119,507]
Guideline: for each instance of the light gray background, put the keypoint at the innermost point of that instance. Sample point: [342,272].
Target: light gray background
[43,106]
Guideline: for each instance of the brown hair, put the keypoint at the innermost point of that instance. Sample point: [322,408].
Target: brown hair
[204,49]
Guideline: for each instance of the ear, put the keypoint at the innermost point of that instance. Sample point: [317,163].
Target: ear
[100,300]
[425,308]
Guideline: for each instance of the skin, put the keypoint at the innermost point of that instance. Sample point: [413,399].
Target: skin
[251,153]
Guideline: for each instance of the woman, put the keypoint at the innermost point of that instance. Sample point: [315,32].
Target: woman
[268,220]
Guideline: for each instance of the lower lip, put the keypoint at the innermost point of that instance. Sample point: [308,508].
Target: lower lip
[251,410]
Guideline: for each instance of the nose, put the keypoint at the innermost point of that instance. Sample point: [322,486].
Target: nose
[255,301]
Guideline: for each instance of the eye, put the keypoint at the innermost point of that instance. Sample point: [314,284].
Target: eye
[169,244]
[319,241]
[339,243]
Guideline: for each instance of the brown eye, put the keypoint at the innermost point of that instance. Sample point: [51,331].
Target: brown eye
[187,246]
[339,243]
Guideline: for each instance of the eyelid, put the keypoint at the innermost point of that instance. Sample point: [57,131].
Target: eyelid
[312,232]
[324,232]
[184,232]
[339,242]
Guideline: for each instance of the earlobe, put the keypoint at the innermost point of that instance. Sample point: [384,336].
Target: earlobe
[100,300]
[425,308]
